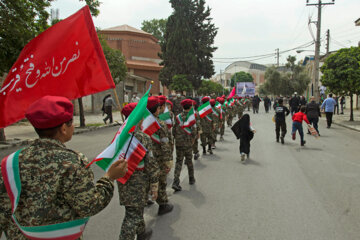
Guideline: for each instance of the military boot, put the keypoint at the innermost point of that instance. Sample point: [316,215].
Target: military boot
[176,185]
[204,150]
[145,235]
[196,156]
[165,208]
[191,180]
[209,149]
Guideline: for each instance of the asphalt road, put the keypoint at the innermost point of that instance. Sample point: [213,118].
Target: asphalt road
[284,192]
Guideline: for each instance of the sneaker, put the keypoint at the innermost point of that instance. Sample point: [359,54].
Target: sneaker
[213,146]
[242,157]
[282,140]
[293,135]
[165,208]
[303,143]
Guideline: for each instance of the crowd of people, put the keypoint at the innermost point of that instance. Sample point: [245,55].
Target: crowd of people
[57,186]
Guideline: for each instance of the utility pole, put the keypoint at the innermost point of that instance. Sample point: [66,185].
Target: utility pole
[327,41]
[317,45]
[277,57]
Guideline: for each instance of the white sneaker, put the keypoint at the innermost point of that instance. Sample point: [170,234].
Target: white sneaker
[242,157]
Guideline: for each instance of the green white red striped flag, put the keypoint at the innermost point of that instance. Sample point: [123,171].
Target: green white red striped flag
[166,117]
[215,113]
[218,105]
[125,144]
[204,109]
[150,125]
[187,130]
[190,118]
[68,230]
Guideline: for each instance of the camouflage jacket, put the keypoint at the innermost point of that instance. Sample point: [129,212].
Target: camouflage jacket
[182,139]
[206,125]
[162,151]
[177,109]
[134,192]
[56,187]
[216,117]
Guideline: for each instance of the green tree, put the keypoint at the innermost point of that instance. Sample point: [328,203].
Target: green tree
[208,88]
[341,74]
[115,60]
[241,77]
[187,47]
[156,27]
[180,84]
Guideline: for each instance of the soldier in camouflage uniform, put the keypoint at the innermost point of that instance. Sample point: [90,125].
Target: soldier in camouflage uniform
[195,146]
[177,106]
[207,127]
[56,185]
[162,153]
[239,108]
[230,113]
[183,143]
[216,120]
[222,120]
[134,193]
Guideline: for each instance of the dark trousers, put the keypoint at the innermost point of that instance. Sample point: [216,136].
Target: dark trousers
[280,125]
[294,110]
[336,109]
[297,126]
[329,116]
[255,109]
[342,108]
[108,111]
[314,122]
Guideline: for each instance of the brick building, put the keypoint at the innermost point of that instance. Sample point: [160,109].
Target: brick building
[141,53]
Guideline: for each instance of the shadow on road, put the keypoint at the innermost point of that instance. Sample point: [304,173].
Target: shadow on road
[162,224]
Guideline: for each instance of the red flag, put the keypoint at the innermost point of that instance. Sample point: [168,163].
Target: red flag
[232,93]
[65,60]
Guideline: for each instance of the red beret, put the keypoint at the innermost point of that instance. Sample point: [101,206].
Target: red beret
[212,102]
[162,99]
[221,100]
[186,102]
[128,109]
[218,99]
[170,102]
[152,102]
[205,99]
[223,96]
[194,102]
[49,112]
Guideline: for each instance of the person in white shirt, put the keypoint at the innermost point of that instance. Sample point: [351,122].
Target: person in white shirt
[135,98]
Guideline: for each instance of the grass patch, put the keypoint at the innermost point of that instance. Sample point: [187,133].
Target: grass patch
[94,124]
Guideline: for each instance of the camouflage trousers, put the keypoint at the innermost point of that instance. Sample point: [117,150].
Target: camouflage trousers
[215,132]
[133,223]
[206,139]
[195,146]
[230,119]
[222,127]
[162,195]
[181,153]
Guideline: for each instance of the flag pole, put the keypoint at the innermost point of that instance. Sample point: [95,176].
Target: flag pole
[132,136]
[118,103]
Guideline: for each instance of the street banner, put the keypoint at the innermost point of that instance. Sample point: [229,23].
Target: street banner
[124,144]
[204,109]
[65,60]
[244,89]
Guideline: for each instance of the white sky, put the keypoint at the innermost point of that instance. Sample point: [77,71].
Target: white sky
[246,27]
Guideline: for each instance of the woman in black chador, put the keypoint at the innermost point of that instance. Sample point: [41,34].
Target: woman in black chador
[246,133]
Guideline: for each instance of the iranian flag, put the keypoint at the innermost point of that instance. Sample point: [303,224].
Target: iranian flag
[218,105]
[125,144]
[190,119]
[150,125]
[187,130]
[166,117]
[204,109]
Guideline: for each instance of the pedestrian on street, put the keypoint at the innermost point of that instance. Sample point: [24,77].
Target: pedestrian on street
[133,194]
[294,104]
[135,98]
[328,106]
[267,104]
[336,107]
[297,124]
[56,186]
[342,102]
[280,113]
[313,113]
[108,104]
[184,138]
[246,135]
[255,103]
[126,99]
[207,127]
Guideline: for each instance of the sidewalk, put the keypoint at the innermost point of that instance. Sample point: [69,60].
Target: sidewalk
[343,119]
[22,133]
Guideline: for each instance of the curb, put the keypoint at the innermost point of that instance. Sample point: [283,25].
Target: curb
[78,130]
[345,126]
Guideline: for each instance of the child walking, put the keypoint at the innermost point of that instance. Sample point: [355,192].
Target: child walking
[246,134]
[297,124]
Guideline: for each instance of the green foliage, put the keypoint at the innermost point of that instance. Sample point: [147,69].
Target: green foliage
[180,84]
[21,21]
[241,77]
[341,73]
[208,87]
[188,43]
[115,60]
[280,83]
[156,27]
